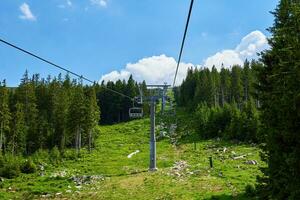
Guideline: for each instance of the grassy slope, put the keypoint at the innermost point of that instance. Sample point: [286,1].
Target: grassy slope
[128,178]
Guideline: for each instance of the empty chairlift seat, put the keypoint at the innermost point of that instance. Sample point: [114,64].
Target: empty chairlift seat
[135,112]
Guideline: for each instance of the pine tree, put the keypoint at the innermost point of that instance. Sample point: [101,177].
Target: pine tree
[279,91]
[60,100]
[17,136]
[215,85]
[225,86]
[247,81]
[236,85]
[5,115]
[43,107]
[76,116]
[25,94]
[92,115]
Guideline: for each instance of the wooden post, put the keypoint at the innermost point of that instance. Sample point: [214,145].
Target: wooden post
[211,162]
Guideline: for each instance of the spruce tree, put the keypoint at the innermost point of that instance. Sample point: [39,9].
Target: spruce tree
[5,115]
[76,114]
[279,92]
[25,94]
[91,117]
[215,85]
[225,86]
[236,85]
[247,81]
[17,136]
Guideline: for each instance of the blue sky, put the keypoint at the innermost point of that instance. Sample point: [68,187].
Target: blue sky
[110,39]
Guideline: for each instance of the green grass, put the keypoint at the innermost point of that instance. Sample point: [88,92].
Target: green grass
[129,178]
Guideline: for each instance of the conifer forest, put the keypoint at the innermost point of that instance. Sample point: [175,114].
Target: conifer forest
[160,128]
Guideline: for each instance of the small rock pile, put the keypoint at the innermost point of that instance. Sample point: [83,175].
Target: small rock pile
[251,162]
[60,174]
[86,180]
[180,169]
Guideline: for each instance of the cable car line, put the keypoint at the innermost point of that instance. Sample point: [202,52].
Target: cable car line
[62,68]
[183,40]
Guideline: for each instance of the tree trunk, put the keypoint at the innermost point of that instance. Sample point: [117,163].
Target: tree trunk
[13,146]
[63,141]
[223,98]
[90,141]
[1,136]
[246,91]
[77,141]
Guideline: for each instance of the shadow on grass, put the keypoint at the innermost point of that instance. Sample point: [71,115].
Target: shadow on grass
[242,196]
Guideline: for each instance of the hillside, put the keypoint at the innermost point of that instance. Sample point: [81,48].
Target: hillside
[108,173]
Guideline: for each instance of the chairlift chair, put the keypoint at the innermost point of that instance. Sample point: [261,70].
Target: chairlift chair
[135,112]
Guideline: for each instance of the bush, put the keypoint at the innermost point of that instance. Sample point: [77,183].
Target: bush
[202,115]
[55,155]
[251,122]
[228,122]
[70,154]
[250,191]
[28,167]
[10,167]
[40,156]
[1,161]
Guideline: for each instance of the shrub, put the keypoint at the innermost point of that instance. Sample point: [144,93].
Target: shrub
[1,161]
[234,129]
[250,122]
[28,167]
[40,156]
[250,190]
[202,115]
[55,155]
[70,154]
[10,167]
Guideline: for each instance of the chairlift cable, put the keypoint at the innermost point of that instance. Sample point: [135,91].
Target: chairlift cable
[62,68]
[183,40]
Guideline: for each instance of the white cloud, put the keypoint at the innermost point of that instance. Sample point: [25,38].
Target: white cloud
[115,75]
[226,57]
[248,48]
[160,69]
[154,70]
[101,3]
[251,44]
[68,3]
[26,12]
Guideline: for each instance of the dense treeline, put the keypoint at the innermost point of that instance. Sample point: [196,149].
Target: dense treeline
[114,107]
[47,113]
[224,101]
[216,88]
[49,120]
[60,112]
[279,93]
